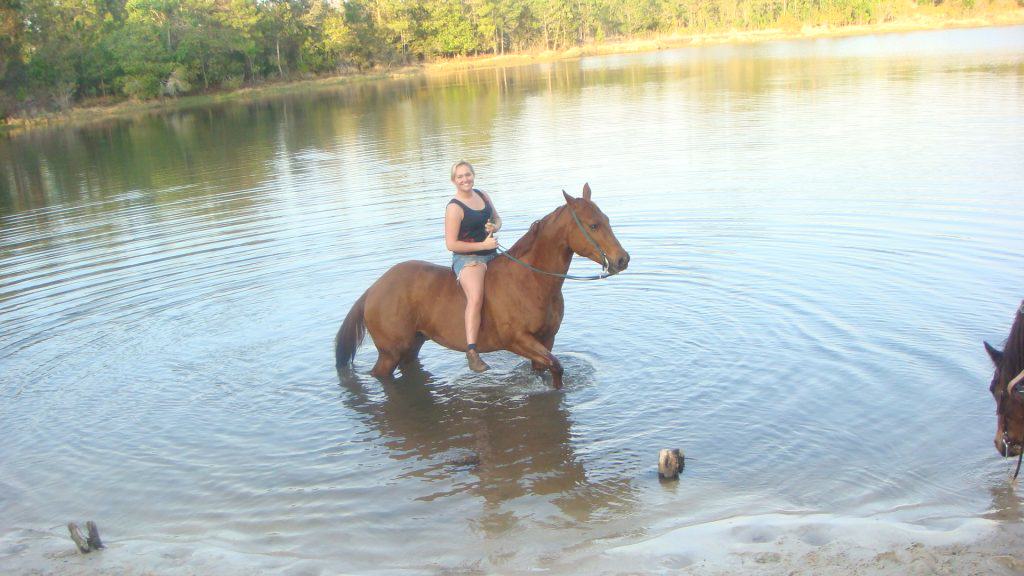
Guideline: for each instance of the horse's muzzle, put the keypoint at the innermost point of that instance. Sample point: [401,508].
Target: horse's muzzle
[1008,449]
[619,264]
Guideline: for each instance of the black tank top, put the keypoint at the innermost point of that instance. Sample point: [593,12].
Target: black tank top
[472,227]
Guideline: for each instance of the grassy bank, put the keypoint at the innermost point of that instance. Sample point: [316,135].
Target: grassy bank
[919,22]
[924,19]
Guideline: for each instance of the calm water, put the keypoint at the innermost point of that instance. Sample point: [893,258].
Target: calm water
[822,234]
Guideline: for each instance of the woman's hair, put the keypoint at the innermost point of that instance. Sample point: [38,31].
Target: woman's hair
[462,163]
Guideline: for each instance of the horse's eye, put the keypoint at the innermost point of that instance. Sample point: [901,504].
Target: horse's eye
[593,226]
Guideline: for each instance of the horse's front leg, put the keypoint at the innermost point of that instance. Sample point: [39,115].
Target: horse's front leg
[539,355]
[548,343]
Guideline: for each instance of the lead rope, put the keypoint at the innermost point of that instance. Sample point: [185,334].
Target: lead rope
[604,257]
[504,252]
[1009,390]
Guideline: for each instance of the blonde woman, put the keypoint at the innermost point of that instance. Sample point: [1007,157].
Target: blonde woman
[470,222]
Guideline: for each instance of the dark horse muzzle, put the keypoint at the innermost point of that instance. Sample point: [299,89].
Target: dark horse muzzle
[1008,448]
[619,264]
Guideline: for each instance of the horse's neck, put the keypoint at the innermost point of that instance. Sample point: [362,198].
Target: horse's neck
[1013,352]
[548,250]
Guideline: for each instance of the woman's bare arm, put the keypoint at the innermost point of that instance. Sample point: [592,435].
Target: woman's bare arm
[452,220]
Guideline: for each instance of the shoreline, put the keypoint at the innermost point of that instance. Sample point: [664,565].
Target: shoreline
[88,114]
[775,543]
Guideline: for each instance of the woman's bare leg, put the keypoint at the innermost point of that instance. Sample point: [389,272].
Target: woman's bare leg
[472,281]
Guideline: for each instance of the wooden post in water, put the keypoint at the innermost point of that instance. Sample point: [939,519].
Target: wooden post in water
[670,463]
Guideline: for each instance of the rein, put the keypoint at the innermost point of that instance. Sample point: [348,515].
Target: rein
[504,252]
[604,257]
[1017,471]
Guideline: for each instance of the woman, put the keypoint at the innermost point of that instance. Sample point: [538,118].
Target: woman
[470,222]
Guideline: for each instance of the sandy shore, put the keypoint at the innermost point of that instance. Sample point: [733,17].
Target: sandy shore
[770,544]
[924,20]
[844,547]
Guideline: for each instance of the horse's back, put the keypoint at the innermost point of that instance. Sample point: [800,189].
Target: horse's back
[418,268]
[414,296]
[410,280]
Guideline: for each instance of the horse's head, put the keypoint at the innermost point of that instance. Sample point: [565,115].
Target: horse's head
[1008,389]
[591,236]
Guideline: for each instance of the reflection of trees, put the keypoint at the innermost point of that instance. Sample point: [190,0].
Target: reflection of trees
[523,443]
[152,154]
[418,121]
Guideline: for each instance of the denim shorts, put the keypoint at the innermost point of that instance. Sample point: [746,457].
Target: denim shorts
[460,261]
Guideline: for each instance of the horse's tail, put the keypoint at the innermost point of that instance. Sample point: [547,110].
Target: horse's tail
[351,334]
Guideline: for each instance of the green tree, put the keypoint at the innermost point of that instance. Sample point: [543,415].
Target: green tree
[449,29]
[280,23]
[11,28]
[212,46]
[11,64]
[144,46]
[556,20]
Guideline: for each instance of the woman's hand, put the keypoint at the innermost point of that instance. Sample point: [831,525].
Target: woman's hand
[489,243]
[491,227]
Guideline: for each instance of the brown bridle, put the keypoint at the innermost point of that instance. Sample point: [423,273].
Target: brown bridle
[1016,380]
[1002,417]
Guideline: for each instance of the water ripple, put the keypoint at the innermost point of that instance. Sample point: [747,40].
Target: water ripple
[803,312]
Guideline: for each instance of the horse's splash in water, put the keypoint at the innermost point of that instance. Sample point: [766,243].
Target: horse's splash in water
[416,301]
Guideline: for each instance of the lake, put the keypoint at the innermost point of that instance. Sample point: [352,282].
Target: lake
[822,234]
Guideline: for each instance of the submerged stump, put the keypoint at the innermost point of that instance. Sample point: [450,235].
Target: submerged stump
[94,536]
[670,463]
[76,536]
[86,545]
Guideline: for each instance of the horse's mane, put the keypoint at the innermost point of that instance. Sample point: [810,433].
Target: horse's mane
[1013,351]
[525,244]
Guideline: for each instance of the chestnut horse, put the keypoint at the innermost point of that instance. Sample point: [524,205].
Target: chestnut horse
[416,301]
[1008,389]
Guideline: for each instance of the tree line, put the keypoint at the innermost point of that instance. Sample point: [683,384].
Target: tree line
[54,53]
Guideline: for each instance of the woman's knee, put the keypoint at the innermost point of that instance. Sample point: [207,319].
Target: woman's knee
[474,295]
[473,286]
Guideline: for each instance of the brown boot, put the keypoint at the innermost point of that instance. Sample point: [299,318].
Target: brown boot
[476,364]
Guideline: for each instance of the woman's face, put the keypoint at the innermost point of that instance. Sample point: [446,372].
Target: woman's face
[463,179]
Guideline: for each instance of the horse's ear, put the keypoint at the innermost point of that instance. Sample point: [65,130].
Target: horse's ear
[586,196]
[995,355]
[568,199]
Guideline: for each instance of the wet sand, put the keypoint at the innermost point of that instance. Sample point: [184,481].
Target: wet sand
[768,544]
[777,544]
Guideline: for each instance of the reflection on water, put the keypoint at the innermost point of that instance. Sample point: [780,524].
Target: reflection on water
[518,448]
[822,235]
[1006,503]
[238,146]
